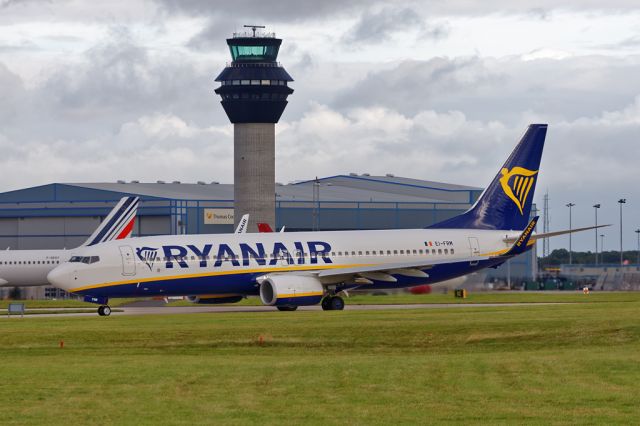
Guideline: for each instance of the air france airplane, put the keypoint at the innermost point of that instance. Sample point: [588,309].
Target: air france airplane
[287,270]
[22,268]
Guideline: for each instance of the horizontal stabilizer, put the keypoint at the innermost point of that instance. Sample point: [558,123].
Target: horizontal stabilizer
[536,237]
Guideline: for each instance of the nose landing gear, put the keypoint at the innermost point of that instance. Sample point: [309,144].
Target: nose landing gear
[104,310]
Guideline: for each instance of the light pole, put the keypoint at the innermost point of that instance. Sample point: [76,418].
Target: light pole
[595,208]
[601,246]
[621,201]
[638,232]
[570,255]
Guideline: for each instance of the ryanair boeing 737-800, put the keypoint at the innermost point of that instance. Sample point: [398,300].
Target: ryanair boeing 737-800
[25,268]
[288,270]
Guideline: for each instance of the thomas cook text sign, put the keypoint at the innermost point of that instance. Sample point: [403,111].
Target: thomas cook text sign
[218,216]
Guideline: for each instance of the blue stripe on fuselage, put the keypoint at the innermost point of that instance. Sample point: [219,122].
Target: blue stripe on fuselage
[245,283]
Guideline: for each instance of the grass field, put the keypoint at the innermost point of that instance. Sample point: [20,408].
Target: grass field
[400,298]
[474,297]
[544,364]
[63,303]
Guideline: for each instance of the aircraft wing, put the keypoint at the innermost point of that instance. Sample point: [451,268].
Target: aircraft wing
[385,272]
[411,269]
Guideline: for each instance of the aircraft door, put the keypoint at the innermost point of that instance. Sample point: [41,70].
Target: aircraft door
[128,260]
[474,247]
[283,258]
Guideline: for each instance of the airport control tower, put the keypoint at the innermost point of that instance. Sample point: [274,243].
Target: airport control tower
[254,90]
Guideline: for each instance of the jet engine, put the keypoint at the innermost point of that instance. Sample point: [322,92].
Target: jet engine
[291,290]
[214,300]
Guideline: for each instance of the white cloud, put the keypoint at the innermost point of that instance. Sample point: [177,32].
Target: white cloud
[124,90]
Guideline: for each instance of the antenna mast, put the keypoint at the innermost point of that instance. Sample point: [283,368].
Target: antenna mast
[545,225]
[254,28]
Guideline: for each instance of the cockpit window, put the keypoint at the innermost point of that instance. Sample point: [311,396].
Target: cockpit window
[85,259]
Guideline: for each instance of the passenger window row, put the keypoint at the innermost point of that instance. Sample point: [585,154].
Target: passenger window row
[296,254]
[30,262]
[393,252]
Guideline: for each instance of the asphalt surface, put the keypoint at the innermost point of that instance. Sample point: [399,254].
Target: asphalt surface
[168,310]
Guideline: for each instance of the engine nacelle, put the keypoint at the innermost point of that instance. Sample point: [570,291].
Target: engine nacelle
[214,300]
[291,290]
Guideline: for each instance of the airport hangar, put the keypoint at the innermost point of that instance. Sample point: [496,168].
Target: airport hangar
[63,215]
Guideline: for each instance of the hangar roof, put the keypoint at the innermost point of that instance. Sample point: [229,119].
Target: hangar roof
[358,188]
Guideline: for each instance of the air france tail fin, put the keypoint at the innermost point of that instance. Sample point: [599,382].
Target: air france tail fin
[264,228]
[506,203]
[118,224]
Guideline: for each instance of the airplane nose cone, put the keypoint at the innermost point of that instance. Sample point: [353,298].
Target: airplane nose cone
[60,277]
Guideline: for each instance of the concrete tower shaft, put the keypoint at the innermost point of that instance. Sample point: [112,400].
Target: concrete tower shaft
[254,172]
[254,90]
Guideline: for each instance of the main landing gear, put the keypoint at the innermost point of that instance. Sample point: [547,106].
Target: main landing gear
[332,303]
[104,310]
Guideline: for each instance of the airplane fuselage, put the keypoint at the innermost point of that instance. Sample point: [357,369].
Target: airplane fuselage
[29,267]
[232,264]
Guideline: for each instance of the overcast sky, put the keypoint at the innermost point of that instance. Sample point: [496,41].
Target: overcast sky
[100,91]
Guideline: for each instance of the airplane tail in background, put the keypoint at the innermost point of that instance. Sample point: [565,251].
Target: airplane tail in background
[118,224]
[506,203]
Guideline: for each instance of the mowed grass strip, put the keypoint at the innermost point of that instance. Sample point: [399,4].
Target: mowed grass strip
[547,364]
[473,297]
[401,298]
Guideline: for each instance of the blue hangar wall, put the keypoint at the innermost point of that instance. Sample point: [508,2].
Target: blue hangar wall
[61,215]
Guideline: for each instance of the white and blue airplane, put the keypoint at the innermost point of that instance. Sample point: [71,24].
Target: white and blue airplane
[26,268]
[287,270]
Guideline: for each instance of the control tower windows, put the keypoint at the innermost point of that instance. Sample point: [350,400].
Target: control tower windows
[254,83]
[254,53]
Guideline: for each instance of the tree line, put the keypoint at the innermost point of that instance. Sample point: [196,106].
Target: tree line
[561,256]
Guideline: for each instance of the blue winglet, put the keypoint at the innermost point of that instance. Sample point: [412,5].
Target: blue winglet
[522,243]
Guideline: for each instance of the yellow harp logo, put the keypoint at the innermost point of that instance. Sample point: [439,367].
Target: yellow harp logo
[517,188]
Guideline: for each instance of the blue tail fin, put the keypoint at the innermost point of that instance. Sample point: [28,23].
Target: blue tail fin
[506,203]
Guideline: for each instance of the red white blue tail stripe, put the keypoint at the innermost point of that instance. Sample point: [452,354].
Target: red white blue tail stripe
[118,224]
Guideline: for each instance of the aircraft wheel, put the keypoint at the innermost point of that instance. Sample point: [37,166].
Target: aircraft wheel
[106,310]
[287,308]
[336,303]
[326,303]
[101,311]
